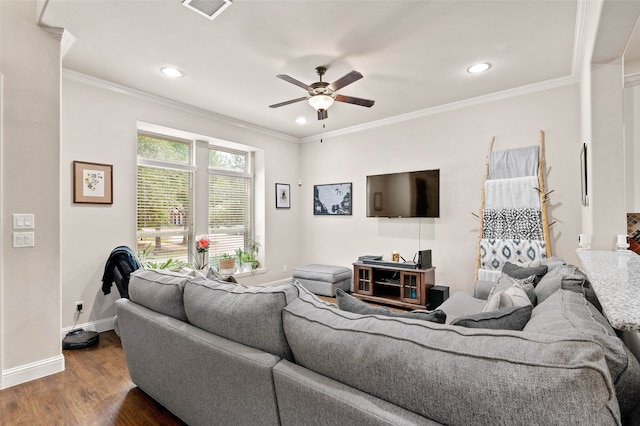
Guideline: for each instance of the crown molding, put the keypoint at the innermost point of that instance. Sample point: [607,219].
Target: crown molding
[159,100]
[478,100]
[632,80]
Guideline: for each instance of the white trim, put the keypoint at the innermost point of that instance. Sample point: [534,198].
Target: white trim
[479,100]
[276,283]
[32,371]
[98,326]
[632,80]
[581,36]
[145,96]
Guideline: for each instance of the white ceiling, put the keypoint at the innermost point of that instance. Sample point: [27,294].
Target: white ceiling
[413,54]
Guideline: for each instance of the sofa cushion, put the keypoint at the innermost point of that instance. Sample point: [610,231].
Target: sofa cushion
[570,315]
[521,272]
[512,318]
[349,303]
[567,277]
[247,315]
[461,304]
[455,374]
[159,290]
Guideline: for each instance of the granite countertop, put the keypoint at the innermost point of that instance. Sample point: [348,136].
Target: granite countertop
[615,277]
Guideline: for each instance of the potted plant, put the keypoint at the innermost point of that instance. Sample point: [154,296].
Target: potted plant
[226,264]
[201,257]
[253,249]
[245,259]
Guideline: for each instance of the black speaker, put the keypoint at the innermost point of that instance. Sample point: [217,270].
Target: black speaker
[424,259]
[437,295]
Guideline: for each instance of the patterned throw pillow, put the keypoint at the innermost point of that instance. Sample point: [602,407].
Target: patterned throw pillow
[514,296]
[521,272]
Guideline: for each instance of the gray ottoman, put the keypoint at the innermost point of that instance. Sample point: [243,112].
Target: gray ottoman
[323,279]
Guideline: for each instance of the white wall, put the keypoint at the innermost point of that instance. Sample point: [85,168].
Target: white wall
[456,142]
[632,148]
[29,181]
[99,125]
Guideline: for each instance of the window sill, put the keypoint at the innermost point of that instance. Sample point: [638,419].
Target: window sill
[256,271]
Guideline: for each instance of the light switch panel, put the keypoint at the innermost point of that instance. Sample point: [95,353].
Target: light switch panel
[24,221]
[23,239]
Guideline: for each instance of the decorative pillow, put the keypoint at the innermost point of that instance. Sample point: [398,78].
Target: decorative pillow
[513,318]
[566,277]
[514,296]
[349,303]
[520,272]
[506,281]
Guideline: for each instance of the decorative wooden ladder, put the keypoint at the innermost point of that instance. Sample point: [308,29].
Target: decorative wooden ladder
[543,202]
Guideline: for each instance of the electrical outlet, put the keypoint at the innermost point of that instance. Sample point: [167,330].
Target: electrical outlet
[284,268]
[79,306]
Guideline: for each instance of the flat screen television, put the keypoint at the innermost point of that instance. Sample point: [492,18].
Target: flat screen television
[407,194]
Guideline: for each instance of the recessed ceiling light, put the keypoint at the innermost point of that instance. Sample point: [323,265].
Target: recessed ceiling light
[171,72]
[301,120]
[477,68]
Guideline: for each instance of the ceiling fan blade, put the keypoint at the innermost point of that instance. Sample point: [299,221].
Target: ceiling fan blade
[322,114]
[304,98]
[293,81]
[345,80]
[356,101]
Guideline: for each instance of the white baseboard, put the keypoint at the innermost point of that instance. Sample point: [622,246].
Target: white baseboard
[276,283]
[98,326]
[35,370]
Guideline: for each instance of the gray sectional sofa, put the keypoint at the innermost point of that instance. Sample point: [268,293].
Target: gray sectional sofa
[219,353]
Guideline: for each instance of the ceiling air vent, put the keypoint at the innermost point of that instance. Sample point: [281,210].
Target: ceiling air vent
[208,8]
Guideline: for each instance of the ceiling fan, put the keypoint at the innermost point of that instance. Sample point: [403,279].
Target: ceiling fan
[322,94]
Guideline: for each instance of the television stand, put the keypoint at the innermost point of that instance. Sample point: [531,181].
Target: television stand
[393,285]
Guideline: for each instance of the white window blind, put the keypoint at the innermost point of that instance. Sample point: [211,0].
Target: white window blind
[229,212]
[164,212]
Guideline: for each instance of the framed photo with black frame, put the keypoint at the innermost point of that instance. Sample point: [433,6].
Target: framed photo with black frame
[283,196]
[332,199]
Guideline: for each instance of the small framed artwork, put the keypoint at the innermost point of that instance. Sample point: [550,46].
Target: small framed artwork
[92,183]
[283,196]
[332,199]
[583,175]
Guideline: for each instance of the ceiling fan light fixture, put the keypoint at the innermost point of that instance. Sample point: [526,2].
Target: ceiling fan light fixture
[478,68]
[321,102]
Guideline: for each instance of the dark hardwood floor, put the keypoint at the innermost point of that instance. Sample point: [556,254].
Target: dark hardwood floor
[94,389]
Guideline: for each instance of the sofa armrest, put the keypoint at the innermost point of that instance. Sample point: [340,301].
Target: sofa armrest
[482,289]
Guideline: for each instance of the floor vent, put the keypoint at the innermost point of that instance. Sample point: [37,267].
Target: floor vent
[208,8]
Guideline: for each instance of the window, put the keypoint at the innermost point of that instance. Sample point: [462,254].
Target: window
[166,202]
[230,186]
[164,198]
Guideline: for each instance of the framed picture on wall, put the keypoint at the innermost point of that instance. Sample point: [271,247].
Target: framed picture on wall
[92,183]
[332,199]
[283,196]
